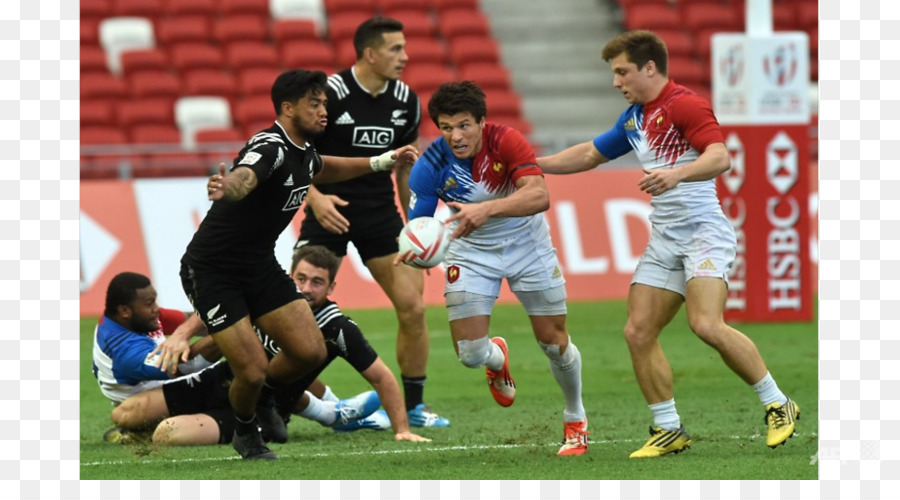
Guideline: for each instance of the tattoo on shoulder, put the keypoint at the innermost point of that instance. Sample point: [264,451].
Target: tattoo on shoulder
[244,182]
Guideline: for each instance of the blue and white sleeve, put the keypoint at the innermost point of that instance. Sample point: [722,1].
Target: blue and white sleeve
[423,196]
[132,364]
[614,143]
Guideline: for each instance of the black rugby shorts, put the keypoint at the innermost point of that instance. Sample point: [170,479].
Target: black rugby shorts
[373,233]
[205,392]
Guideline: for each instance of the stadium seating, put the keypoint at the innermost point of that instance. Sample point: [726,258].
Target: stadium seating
[458,23]
[155,134]
[445,5]
[390,7]
[678,42]
[147,84]
[701,16]
[251,54]
[340,7]
[93,60]
[423,50]
[505,103]
[196,113]
[200,8]
[342,24]
[468,50]
[652,17]
[118,34]
[210,82]
[92,11]
[309,55]
[102,86]
[253,111]
[219,135]
[292,30]
[97,113]
[416,23]
[134,112]
[90,35]
[299,9]
[133,61]
[427,77]
[256,81]
[148,9]
[189,56]
[258,8]
[240,27]
[487,76]
[183,30]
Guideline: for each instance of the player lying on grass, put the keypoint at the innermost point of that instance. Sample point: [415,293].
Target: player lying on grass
[193,396]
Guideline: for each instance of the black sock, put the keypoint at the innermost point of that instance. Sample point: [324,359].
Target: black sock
[413,387]
[244,426]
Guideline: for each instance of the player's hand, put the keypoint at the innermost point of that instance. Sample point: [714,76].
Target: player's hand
[409,436]
[471,216]
[171,352]
[215,187]
[405,157]
[658,181]
[324,207]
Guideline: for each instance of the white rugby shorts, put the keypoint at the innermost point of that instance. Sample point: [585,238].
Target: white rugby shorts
[704,246]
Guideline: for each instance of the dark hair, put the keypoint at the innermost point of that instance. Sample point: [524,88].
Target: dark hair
[318,256]
[370,33]
[457,97]
[122,290]
[641,47]
[293,85]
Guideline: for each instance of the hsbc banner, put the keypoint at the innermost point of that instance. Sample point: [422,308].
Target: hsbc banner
[760,95]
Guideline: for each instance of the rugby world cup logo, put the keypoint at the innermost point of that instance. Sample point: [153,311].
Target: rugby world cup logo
[780,66]
[731,66]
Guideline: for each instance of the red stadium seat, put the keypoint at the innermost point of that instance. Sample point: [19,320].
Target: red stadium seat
[97,113]
[678,42]
[292,30]
[90,34]
[503,103]
[389,7]
[703,43]
[93,60]
[696,17]
[200,8]
[456,23]
[345,54]
[784,17]
[426,50]
[808,15]
[102,136]
[157,111]
[254,110]
[150,84]
[428,131]
[244,55]
[178,30]
[308,55]
[487,76]
[242,27]
[467,50]
[416,23]
[342,25]
[133,61]
[520,124]
[813,42]
[102,86]
[652,17]
[258,8]
[219,135]
[255,127]
[190,56]
[257,81]
[211,82]
[425,78]
[688,71]
[94,10]
[339,7]
[150,9]
[155,134]
[442,5]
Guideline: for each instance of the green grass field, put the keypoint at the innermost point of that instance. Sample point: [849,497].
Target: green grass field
[486,441]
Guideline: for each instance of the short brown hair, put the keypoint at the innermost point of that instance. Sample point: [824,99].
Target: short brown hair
[371,33]
[457,97]
[641,47]
[318,256]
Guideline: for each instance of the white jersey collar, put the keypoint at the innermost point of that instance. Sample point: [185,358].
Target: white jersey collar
[383,89]
[288,137]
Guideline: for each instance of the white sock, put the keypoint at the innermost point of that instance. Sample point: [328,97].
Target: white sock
[768,391]
[566,369]
[318,410]
[665,415]
[329,395]
[496,358]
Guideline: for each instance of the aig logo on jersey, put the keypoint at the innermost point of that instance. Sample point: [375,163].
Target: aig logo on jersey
[373,137]
[296,198]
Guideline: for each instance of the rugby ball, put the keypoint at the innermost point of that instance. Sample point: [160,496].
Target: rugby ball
[423,242]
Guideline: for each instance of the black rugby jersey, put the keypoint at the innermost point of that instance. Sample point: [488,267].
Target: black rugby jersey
[362,125]
[343,338]
[244,232]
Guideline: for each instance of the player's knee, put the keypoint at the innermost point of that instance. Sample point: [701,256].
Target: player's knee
[707,329]
[569,356]
[165,433]
[128,414]
[474,353]
[637,337]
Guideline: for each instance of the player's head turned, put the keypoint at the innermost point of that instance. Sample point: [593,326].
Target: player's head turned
[122,290]
[639,47]
[370,34]
[319,256]
[295,84]
[453,98]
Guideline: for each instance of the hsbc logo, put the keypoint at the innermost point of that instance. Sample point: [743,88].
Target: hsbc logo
[373,137]
[732,65]
[734,178]
[781,163]
[780,66]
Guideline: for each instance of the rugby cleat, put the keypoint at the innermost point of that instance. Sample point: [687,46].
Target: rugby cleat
[575,440]
[422,416]
[781,419]
[355,408]
[120,435]
[502,385]
[273,425]
[663,442]
[251,446]
[378,421]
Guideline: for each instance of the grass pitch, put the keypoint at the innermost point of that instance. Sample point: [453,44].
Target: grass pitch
[485,441]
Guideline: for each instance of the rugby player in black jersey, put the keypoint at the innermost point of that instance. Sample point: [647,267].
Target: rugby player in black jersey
[229,271]
[370,111]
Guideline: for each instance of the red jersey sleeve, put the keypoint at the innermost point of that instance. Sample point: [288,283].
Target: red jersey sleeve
[515,152]
[693,115]
[169,319]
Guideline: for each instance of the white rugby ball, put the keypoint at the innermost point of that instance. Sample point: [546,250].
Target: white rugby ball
[423,242]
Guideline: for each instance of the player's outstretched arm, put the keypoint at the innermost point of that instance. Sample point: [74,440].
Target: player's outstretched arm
[384,383]
[577,158]
[177,347]
[338,168]
[324,207]
[233,186]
